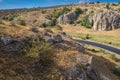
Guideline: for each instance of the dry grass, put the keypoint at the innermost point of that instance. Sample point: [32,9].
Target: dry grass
[99,36]
[14,30]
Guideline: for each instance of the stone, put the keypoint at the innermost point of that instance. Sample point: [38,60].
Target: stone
[13,47]
[6,39]
[104,21]
[48,40]
[67,18]
[56,38]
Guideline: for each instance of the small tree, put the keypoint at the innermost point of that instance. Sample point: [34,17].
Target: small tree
[85,22]
[108,6]
[78,11]
[98,2]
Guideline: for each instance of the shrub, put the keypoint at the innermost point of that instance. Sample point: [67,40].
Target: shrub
[116,71]
[88,36]
[97,2]
[34,29]
[22,22]
[85,22]
[78,11]
[113,56]
[10,17]
[108,6]
[58,27]
[55,15]
[43,11]
[36,48]
[43,25]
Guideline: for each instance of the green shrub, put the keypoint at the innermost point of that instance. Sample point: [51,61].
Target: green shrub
[36,48]
[97,2]
[43,25]
[34,29]
[88,36]
[10,17]
[113,56]
[102,51]
[22,22]
[116,71]
[43,11]
[55,14]
[58,27]
[85,22]
[63,11]
[108,6]
[78,11]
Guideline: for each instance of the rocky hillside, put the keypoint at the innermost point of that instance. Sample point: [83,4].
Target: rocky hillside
[34,47]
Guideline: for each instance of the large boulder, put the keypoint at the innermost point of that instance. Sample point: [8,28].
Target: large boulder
[56,38]
[67,18]
[106,20]
[9,44]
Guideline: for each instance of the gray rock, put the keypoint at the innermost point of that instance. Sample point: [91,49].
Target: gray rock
[90,70]
[48,40]
[67,18]
[10,45]
[89,12]
[14,47]
[104,21]
[6,39]
[56,38]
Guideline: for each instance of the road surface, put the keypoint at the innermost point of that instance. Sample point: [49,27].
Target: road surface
[106,47]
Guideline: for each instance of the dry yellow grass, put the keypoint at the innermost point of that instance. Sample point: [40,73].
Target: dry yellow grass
[14,30]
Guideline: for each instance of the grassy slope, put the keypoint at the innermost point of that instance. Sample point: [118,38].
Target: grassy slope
[107,37]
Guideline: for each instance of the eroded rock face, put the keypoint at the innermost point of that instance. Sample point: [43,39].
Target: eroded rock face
[67,18]
[104,21]
[10,45]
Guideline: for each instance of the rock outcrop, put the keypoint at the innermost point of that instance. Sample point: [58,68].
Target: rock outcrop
[10,44]
[104,21]
[68,18]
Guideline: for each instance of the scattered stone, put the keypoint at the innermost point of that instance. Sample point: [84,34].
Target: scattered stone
[56,38]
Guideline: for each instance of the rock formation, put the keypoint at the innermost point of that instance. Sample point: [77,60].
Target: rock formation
[67,18]
[107,20]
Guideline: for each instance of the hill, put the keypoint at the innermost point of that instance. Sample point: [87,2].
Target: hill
[37,44]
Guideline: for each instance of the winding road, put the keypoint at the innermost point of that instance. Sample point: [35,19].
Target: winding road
[104,46]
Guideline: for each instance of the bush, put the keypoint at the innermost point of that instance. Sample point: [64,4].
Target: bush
[43,25]
[108,6]
[116,71]
[43,11]
[113,56]
[22,22]
[55,14]
[34,29]
[88,36]
[10,17]
[36,48]
[97,2]
[58,27]
[85,22]
[78,11]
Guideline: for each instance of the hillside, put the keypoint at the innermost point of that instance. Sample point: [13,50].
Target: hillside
[37,44]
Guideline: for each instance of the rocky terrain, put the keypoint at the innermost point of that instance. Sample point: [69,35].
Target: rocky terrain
[34,47]
[106,20]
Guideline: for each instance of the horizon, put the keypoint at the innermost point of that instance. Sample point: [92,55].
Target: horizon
[12,4]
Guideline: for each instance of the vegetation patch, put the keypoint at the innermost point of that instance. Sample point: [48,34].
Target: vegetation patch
[85,21]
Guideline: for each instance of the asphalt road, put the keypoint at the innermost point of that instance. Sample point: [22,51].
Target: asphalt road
[106,47]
